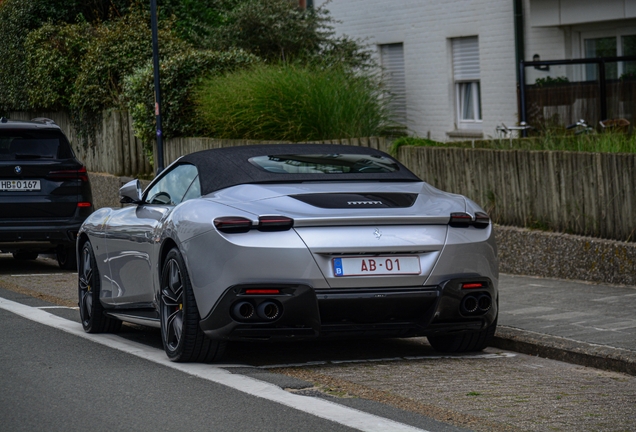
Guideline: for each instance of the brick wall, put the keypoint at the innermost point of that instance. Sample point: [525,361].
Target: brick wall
[425,28]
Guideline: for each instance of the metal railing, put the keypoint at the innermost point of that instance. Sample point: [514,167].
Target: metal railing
[599,84]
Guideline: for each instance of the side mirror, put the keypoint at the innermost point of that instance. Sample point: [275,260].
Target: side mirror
[130,193]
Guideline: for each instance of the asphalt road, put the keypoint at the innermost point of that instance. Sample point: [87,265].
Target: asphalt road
[54,377]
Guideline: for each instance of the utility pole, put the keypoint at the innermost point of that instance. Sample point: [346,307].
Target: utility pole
[155,61]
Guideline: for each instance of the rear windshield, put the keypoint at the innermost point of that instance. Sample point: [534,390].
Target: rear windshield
[16,144]
[325,164]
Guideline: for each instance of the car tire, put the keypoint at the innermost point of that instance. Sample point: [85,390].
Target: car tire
[464,342]
[66,258]
[182,337]
[89,287]
[25,255]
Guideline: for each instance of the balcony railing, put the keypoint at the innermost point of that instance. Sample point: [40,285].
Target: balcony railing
[561,92]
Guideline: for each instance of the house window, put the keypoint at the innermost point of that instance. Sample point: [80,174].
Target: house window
[392,58]
[617,44]
[466,74]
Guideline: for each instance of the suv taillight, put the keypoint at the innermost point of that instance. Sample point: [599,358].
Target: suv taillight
[69,174]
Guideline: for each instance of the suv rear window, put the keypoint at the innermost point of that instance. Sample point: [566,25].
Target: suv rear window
[325,164]
[19,144]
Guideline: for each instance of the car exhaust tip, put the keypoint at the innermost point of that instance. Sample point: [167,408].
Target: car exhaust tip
[243,310]
[484,303]
[469,304]
[268,310]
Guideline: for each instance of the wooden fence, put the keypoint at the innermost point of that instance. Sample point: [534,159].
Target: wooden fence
[580,193]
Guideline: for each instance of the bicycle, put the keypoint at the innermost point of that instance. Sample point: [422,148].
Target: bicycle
[581,128]
[504,131]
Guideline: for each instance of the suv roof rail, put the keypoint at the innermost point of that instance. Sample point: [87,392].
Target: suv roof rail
[43,120]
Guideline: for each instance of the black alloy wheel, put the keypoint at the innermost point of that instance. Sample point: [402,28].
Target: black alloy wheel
[66,257]
[88,287]
[464,342]
[183,339]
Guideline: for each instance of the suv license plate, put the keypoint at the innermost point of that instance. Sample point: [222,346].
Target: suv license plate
[19,185]
[376,266]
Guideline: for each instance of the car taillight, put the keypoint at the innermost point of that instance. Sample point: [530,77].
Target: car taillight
[233,225]
[69,174]
[464,220]
[275,223]
[236,224]
[473,285]
[261,291]
[84,204]
[460,220]
[482,220]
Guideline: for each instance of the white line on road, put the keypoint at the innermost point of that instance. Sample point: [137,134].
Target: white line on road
[57,307]
[318,407]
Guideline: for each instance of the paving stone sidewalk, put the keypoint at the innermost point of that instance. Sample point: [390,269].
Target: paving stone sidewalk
[570,320]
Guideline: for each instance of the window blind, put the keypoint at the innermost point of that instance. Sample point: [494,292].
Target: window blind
[466,58]
[392,56]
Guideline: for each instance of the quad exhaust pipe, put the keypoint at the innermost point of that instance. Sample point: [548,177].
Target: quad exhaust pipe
[243,310]
[268,311]
[265,311]
[476,304]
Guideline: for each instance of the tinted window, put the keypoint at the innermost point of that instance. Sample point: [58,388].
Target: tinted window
[172,187]
[325,164]
[16,144]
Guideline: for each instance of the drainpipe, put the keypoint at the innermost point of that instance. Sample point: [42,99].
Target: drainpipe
[520,55]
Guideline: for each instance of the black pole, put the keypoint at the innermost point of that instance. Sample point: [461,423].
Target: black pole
[520,50]
[522,95]
[603,92]
[155,62]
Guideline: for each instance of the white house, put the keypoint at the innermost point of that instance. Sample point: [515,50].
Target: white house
[453,65]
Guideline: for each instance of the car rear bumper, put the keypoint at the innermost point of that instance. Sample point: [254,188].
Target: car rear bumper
[376,312]
[41,237]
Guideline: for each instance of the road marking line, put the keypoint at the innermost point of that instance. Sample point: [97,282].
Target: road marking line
[328,410]
[40,274]
[57,307]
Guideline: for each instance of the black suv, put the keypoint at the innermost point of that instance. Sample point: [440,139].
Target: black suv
[45,194]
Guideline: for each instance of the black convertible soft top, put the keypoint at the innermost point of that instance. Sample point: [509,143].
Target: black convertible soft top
[224,167]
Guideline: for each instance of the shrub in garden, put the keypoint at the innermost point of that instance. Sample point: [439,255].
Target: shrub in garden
[180,73]
[292,103]
[52,53]
[19,17]
[277,30]
[117,49]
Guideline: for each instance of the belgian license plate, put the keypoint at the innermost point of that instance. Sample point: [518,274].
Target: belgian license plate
[376,266]
[19,185]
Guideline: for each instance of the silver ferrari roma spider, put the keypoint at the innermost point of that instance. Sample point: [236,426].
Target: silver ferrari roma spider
[289,242]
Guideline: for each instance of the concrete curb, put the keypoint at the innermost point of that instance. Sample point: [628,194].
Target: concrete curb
[567,350]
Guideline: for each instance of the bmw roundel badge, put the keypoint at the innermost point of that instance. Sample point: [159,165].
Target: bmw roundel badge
[18,169]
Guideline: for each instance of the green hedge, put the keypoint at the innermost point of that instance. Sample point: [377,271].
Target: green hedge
[292,103]
[180,73]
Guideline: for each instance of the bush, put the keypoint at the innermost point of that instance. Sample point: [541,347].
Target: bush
[52,54]
[18,18]
[291,103]
[277,30]
[180,73]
